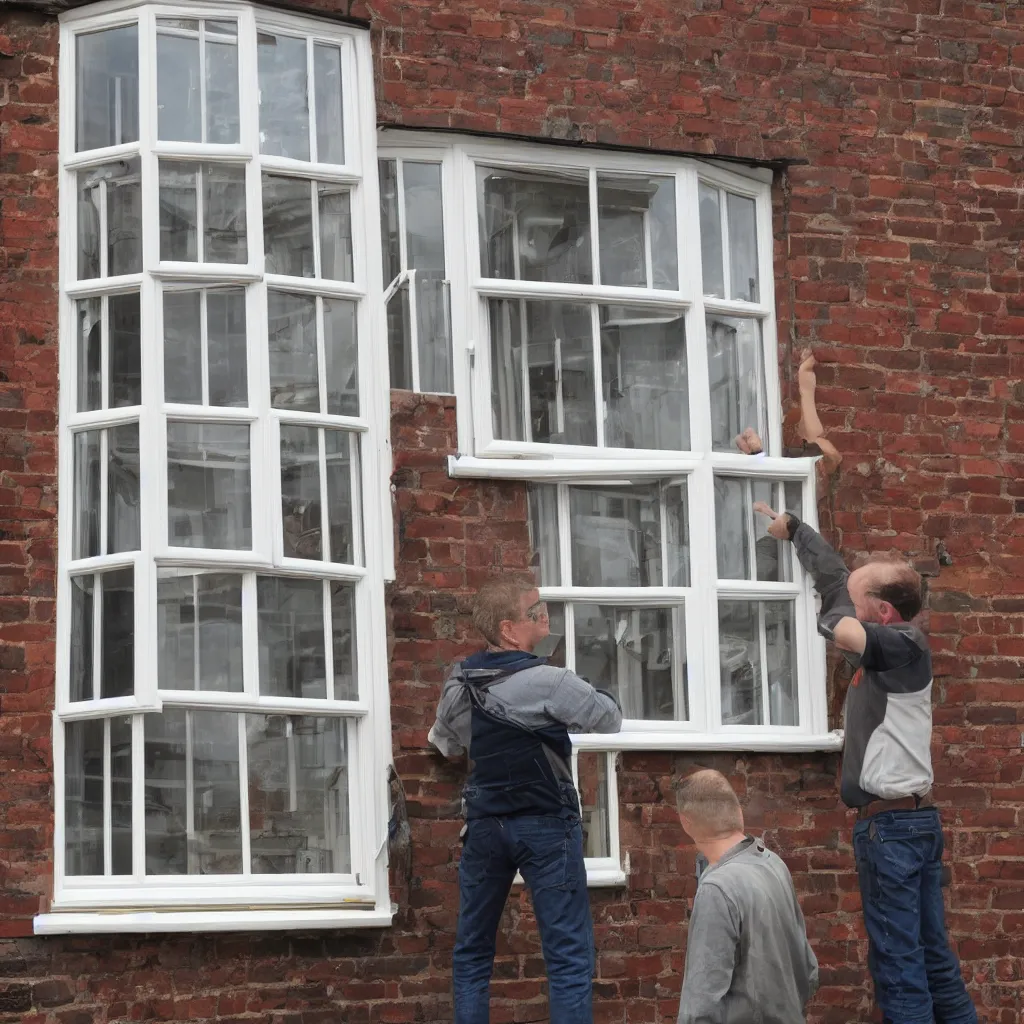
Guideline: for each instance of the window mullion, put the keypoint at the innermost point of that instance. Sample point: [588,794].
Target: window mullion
[190,798]
[108,824]
[325,533]
[199,177]
[595,340]
[762,639]
[204,345]
[595,244]
[328,636]
[138,798]
[243,794]
[723,203]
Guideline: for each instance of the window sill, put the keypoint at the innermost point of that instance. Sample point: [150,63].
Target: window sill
[137,922]
[745,742]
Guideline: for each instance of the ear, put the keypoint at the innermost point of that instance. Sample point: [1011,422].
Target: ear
[887,613]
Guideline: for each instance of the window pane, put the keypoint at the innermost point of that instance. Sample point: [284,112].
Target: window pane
[284,96]
[110,219]
[342,357]
[179,212]
[222,122]
[592,775]
[81,667]
[343,624]
[225,340]
[391,245]
[399,313]
[711,241]
[424,227]
[124,225]
[85,540]
[107,88]
[335,233]
[544,538]
[117,635]
[742,247]
[208,488]
[433,324]
[342,468]
[298,795]
[89,359]
[637,231]
[643,356]
[121,795]
[123,488]
[125,385]
[552,646]
[288,226]
[178,76]
[633,653]
[291,637]
[83,797]
[183,347]
[736,378]
[745,628]
[740,530]
[560,370]
[224,238]
[330,128]
[294,378]
[772,560]
[193,806]
[535,225]
[199,622]
[300,492]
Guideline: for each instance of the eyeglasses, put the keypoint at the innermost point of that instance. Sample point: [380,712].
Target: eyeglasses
[537,613]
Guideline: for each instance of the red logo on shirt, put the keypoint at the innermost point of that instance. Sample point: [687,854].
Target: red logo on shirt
[857,676]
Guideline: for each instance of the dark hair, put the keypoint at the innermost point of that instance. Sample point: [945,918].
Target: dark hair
[903,593]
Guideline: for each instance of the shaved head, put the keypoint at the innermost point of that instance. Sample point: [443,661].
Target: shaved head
[708,805]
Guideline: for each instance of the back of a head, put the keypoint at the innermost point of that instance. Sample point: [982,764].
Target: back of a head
[497,601]
[707,800]
[901,587]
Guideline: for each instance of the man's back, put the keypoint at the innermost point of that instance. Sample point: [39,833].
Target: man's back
[747,956]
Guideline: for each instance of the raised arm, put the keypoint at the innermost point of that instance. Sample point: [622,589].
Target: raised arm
[581,707]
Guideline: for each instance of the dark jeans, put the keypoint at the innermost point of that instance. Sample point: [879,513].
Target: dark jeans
[548,852]
[917,976]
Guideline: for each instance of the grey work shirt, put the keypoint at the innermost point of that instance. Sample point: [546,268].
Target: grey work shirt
[748,960]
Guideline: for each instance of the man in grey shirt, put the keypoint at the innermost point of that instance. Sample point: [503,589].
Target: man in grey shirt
[747,955]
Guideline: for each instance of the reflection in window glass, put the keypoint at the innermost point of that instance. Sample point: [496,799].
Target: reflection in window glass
[746,551]
[736,380]
[294,374]
[288,226]
[110,220]
[211,230]
[535,225]
[711,241]
[124,385]
[758,662]
[341,355]
[390,229]
[335,232]
[89,355]
[544,537]
[283,96]
[558,379]
[342,467]
[111,595]
[644,378]
[121,795]
[301,508]
[83,797]
[637,231]
[123,488]
[343,624]
[291,637]
[107,88]
[87,528]
[742,247]
[592,777]
[330,128]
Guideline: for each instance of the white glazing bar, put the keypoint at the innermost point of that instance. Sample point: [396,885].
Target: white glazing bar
[321,355]
[314,156]
[318,270]
[524,349]
[190,796]
[595,241]
[359,554]
[103,228]
[663,535]
[515,288]
[202,80]
[196,637]
[104,354]
[325,533]
[138,798]
[105,418]
[204,344]
[199,178]
[250,639]
[108,825]
[243,795]
[599,404]
[328,638]
[762,635]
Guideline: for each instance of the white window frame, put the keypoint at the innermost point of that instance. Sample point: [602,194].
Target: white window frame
[139,902]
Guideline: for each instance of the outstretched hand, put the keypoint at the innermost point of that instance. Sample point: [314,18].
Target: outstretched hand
[749,442]
[779,526]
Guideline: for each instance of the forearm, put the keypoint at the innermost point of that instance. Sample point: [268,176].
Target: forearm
[827,569]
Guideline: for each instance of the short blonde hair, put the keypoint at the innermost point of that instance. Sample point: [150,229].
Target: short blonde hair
[707,799]
[497,601]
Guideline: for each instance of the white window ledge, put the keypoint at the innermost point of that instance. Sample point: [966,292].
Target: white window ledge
[125,922]
[795,743]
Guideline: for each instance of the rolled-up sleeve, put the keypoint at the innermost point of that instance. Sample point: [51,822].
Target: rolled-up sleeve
[451,729]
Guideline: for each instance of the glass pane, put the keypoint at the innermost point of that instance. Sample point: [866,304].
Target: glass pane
[110,195]
[222,121]
[124,226]
[433,321]
[400,339]
[616,536]
[117,635]
[208,487]
[80,674]
[343,624]
[89,358]
[85,539]
[288,226]
[179,99]
[123,488]
[291,637]
[341,355]
[732,527]
[179,212]
[125,385]
[225,341]
[294,378]
[711,241]
[342,468]
[83,797]
[301,507]
[544,539]
[535,225]
[736,377]
[224,234]
[552,646]
[742,247]
[745,628]
[335,233]
[284,96]
[644,378]
[772,560]
[199,623]
[592,772]
[107,88]
[193,805]
[121,795]
[298,795]
[560,370]
[330,127]
[391,245]
[424,226]
[632,652]
[183,347]
[637,231]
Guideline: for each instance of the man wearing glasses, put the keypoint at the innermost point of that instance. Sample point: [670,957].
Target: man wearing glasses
[512,713]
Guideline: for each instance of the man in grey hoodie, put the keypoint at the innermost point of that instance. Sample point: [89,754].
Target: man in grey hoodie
[747,954]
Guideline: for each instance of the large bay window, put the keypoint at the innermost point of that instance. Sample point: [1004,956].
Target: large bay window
[221,729]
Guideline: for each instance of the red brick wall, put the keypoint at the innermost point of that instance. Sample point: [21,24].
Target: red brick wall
[897,254]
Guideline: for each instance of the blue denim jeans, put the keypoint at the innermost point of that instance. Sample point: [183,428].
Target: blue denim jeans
[548,851]
[916,974]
